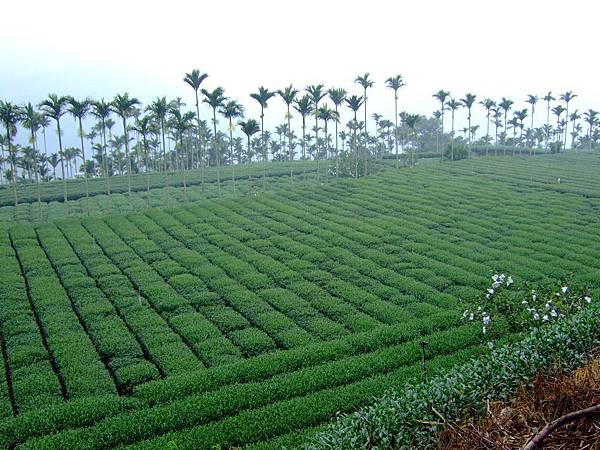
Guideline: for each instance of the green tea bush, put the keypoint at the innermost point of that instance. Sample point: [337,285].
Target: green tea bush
[406,417]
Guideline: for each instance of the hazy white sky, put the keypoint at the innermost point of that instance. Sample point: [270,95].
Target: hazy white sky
[98,48]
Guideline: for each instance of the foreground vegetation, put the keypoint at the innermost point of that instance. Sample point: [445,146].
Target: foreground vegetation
[254,320]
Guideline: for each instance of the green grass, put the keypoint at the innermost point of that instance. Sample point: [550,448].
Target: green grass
[254,319]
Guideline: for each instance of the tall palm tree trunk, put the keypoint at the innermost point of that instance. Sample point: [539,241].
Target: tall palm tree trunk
[164,162]
[289,130]
[199,144]
[337,153]
[365,149]
[264,150]
[126,135]
[105,157]
[62,166]
[231,153]
[216,150]
[396,128]
[14,174]
[317,138]
[87,192]
[303,150]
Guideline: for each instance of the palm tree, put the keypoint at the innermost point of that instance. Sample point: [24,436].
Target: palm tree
[506,105]
[548,98]
[532,100]
[181,124]
[557,111]
[215,99]
[574,117]
[488,104]
[326,114]
[249,128]
[468,102]
[101,110]
[125,106]
[591,118]
[567,97]
[288,95]
[195,79]
[453,106]
[442,96]
[79,110]
[497,124]
[44,123]
[145,126]
[366,83]
[337,96]
[159,108]
[54,160]
[55,107]
[410,120]
[316,94]
[262,97]
[396,83]
[304,108]
[31,121]
[521,116]
[233,110]
[354,103]
[10,115]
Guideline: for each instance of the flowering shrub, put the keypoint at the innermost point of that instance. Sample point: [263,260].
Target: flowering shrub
[412,416]
[526,306]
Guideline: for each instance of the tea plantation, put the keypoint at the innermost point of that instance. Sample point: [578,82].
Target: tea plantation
[252,320]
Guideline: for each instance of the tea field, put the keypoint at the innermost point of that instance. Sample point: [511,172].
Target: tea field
[44,202]
[252,320]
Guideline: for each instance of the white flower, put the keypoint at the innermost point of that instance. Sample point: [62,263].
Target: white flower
[524,302]
[536,316]
[488,296]
[588,299]
[546,317]
[484,330]
[496,284]
[509,281]
[465,313]
[491,345]
[471,317]
[479,308]
[554,313]
[548,305]
[490,291]
[564,289]
[495,277]
[486,320]
[502,277]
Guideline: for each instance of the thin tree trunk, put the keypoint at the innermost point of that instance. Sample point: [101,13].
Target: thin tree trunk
[199,144]
[337,153]
[126,135]
[106,173]
[87,192]
[62,165]
[396,128]
[366,136]
[304,150]
[216,150]
[289,130]
[14,173]
[262,132]
[231,153]
[164,162]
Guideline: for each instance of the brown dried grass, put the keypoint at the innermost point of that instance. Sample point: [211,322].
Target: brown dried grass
[511,424]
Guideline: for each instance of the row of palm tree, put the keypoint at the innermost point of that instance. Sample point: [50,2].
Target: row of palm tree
[497,114]
[195,145]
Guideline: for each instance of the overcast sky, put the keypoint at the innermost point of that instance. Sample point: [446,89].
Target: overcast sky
[98,48]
